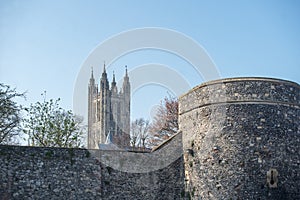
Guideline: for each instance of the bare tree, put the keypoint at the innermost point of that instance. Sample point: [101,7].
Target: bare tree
[144,130]
[134,133]
[165,123]
[10,117]
[139,132]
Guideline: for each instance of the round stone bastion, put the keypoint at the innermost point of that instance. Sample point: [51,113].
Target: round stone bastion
[241,139]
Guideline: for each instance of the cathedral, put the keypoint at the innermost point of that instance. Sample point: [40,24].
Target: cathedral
[108,112]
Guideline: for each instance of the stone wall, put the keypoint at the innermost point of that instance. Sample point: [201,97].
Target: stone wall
[59,173]
[241,139]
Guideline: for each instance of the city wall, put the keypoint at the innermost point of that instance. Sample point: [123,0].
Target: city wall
[61,173]
[239,139]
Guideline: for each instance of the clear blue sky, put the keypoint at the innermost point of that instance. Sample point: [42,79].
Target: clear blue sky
[43,44]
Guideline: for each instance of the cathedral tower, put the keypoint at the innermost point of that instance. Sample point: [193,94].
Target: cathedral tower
[108,111]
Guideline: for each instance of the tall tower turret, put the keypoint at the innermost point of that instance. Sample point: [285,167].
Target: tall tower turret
[114,88]
[126,85]
[92,93]
[126,107]
[104,106]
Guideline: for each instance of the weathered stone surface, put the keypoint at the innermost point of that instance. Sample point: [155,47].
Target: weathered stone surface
[239,139]
[57,173]
[239,129]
